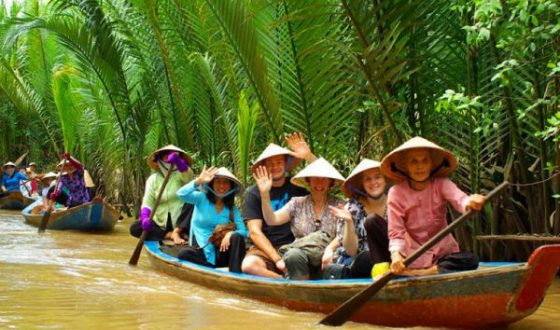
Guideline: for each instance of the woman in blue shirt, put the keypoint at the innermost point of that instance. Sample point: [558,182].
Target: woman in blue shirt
[212,195]
[11,179]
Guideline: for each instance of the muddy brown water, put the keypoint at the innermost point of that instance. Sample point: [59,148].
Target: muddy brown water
[73,280]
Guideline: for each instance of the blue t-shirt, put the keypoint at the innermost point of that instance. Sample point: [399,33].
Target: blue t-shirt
[12,183]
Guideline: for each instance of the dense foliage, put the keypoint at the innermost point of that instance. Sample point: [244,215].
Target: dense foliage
[112,80]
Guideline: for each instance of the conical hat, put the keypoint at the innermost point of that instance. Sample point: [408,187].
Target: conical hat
[152,162]
[319,168]
[50,175]
[9,164]
[352,179]
[67,162]
[395,160]
[225,173]
[275,150]
[88,179]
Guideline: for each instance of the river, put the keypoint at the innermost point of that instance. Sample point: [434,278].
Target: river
[73,280]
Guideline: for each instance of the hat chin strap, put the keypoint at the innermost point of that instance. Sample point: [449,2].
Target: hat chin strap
[365,194]
[163,167]
[444,163]
[222,196]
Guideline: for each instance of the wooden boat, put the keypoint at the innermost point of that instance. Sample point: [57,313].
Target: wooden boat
[15,201]
[496,294]
[93,216]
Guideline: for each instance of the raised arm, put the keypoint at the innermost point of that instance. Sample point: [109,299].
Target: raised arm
[264,182]
[72,161]
[189,193]
[349,238]
[300,148]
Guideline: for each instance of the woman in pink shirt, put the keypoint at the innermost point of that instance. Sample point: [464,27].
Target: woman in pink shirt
[417,208]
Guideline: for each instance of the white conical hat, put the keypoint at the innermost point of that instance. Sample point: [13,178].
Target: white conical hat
[319,168]
[352,179]
[394,163]
[50,175]
[225,173]
[153,162]
[275,150]
[88,179]
[9,164]
[67,162]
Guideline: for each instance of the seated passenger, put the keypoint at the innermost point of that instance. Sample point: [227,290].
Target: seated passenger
[262,258]
[11,179]
[313,226]
[417,208]
[213,195]
[362,226]
[166,215]
[48,181]
[31,174]
[71,190]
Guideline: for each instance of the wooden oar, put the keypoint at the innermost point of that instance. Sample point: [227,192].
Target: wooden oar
[21,158]
[47,215]
[348,308]
[136,254]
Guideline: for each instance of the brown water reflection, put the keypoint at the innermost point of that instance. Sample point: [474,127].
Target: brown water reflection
[71,280]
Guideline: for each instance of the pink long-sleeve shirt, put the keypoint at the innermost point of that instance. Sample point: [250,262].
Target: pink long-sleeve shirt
[416,216]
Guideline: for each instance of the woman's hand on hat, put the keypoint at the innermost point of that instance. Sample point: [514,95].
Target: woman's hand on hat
[340,212]
[206,175]
[476,202]
[300,148]
[263,179]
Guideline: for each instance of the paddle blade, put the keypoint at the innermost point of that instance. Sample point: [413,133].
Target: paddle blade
[345,311]
[44,221]
[136,254]
[21,158]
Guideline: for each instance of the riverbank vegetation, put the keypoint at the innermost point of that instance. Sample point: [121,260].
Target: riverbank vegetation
[112,80]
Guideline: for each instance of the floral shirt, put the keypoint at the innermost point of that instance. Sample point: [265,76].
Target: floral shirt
[359,216]
[75,188]
[303,220]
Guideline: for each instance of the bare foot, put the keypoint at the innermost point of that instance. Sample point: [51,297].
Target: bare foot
[177,239]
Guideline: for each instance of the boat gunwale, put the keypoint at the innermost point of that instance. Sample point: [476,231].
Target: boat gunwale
[489,268]
[34,219]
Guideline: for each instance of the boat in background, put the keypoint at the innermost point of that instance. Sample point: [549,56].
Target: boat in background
[15,201]
[494,295]
[96,215]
